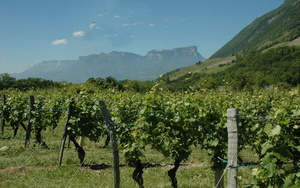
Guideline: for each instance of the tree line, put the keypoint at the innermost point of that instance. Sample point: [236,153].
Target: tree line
[277,67]
[9,82]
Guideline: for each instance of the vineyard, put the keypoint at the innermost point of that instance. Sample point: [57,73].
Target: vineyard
[178,127]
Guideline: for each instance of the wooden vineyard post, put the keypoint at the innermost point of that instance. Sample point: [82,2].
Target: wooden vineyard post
[219,179]
[30,116]
[232,129]
[81,141]
[3,114]
[110,125]
[65,134]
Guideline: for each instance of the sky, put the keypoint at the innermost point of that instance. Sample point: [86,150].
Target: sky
[32,31]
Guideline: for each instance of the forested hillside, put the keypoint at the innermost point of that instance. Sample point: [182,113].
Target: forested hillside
[277,26]
[276,67]
[263,54]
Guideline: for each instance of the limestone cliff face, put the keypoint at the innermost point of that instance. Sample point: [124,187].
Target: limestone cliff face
[168,53]
[121,65]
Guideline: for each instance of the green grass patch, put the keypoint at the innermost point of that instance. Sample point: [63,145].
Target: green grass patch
[209,66]
[37,167]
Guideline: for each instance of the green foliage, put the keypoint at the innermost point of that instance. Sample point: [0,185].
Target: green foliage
[199,63]
[280,65]
[128,85]
[125,114]
[280,145]
[208,82]
[137,86]
[85,117]
[16,109]
[109,82]
[164,128]
[8,82]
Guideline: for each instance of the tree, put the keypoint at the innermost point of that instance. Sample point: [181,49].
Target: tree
[208,82]
[6,81]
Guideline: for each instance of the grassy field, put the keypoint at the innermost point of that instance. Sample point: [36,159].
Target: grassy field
[209,66]
[37,167]
[295,42]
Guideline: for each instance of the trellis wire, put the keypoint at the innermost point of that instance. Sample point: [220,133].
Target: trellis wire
[220,179]
[252,164]
[72,177]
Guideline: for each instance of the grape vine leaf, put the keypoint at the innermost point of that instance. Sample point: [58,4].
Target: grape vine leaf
[272,131]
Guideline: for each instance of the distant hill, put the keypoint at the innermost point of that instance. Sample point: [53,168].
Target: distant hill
[278,26]
[120,65]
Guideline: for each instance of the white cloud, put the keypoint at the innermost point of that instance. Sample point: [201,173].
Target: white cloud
[132,24]
[92,25]
[78,33]
[60,41]
[101,15]
[137,23]
[151,25]
[108,36]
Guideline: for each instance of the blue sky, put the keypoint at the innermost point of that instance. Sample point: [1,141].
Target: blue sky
[36,30]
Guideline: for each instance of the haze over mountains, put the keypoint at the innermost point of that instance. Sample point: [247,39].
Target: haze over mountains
[279,27]
[120,65]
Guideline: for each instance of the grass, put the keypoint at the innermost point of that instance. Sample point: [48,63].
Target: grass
[295,42]
[37,167]
[209,66]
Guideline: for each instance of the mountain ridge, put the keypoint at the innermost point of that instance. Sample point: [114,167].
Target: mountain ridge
[277,26]
[121,65]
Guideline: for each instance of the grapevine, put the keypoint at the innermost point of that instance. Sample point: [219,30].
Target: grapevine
[173,122]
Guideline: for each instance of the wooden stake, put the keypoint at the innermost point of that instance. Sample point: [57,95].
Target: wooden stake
[3,117]
[30,116]
[219,180]
[114,142]
[81,141]
[65,134]
[232,128]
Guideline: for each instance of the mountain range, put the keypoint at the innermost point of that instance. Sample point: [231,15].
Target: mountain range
[280,27]
[120,65]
